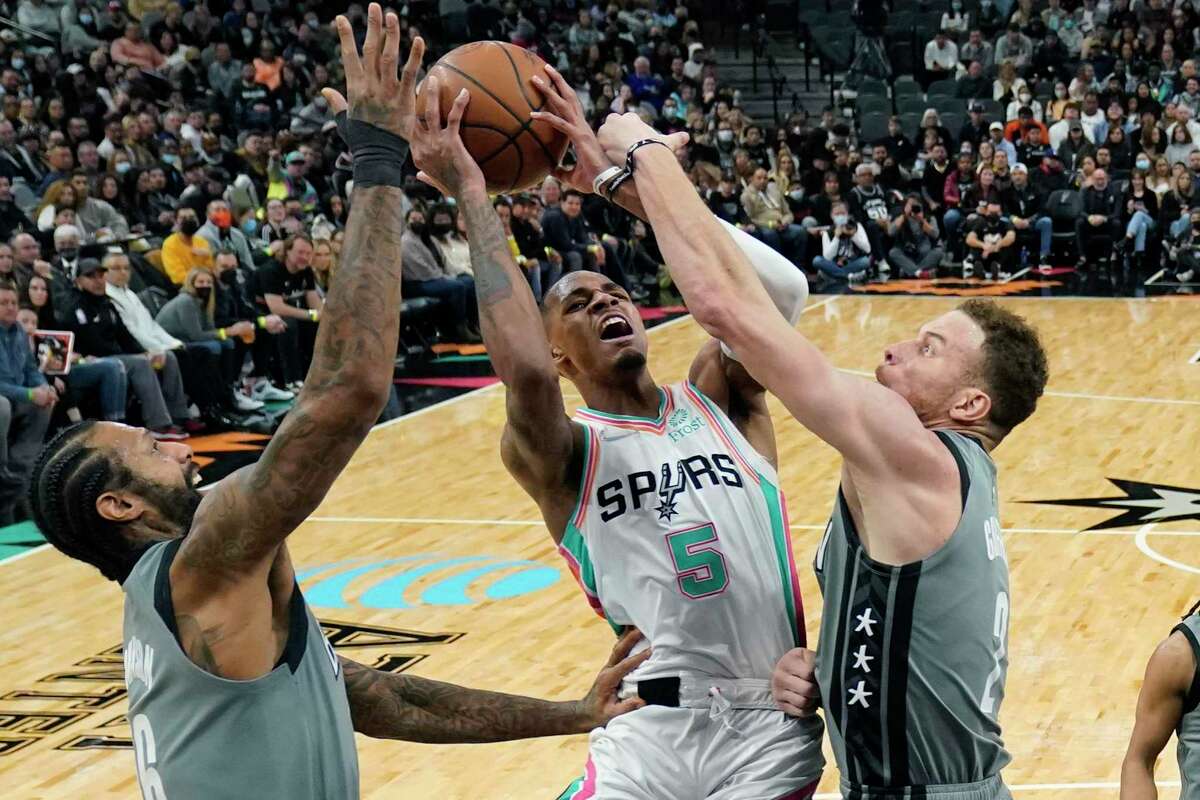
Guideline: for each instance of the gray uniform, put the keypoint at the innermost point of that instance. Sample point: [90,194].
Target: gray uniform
[286,735]
[912,659]
[1188,731]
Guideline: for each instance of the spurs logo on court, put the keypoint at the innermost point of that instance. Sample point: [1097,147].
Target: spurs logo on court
[667,489]
[1142,503]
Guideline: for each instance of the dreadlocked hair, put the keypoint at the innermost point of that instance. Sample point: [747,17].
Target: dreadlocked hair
[67,479]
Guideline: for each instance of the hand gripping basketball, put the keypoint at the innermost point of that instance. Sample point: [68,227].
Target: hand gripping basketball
[566,115]
[375,94]
[439,153]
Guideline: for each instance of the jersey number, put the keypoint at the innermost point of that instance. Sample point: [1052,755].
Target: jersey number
[699,566]
[1000,631]
[145,756]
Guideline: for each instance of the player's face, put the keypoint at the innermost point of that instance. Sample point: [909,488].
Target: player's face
[594,328]
[162,491]
[933,370]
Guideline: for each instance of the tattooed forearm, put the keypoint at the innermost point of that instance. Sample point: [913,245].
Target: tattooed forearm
[508,312]
[245,517]
[388,706]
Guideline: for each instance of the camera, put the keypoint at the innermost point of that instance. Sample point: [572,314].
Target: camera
[917,208]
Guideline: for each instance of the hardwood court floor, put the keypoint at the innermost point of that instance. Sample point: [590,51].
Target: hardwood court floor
[1087,607]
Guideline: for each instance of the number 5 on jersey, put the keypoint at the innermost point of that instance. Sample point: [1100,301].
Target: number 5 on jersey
[699,565]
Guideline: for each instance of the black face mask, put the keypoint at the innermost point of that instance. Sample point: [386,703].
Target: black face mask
[994,217]
[189,226]
[439,229]
[203,294]
[417,227]
[69,253]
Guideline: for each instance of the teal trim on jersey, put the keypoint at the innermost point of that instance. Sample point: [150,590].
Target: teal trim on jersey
[572,790]
[575,545]
[779,534]
[662,406]
[573,520]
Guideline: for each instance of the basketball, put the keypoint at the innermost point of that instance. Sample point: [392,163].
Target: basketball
[513,150]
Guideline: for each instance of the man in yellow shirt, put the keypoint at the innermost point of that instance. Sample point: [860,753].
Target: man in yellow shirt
[184,250]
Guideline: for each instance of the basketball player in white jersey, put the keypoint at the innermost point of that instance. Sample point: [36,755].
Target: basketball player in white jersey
[913,647]
[665,502]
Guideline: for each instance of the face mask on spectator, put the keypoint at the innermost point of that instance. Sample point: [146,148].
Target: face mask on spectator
[1142,164]
[123,167]
[417,227]
[1061,94]
[18,64]
[725,136]
[69,253]
[222,219]
[439,229]
[250,227]
[202,294]
[170,159]
[189,226]
[840,219]
[85,19]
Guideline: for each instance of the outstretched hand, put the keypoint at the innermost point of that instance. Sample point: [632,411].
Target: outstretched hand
[566,115]
[438,152]
[602,702]
[375,94]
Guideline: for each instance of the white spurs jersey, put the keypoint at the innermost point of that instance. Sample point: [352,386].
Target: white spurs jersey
[681,530]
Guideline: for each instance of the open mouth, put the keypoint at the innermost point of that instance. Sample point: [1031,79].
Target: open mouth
[614,326]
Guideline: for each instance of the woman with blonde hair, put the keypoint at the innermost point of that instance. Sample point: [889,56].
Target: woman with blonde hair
[1158,180]
[58,195]
[324,264]
[1007,84]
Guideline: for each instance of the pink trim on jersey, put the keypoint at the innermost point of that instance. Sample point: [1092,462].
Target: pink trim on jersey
[799,794]
[588,789]
[645,426]
[797,599]
[573,565]
[751,473]
[589,477]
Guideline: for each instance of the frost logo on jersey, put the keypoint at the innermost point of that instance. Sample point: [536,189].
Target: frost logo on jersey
[680,426]
[668,490]
[622,495]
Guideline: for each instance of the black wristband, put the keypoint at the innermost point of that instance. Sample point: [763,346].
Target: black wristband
[379,155]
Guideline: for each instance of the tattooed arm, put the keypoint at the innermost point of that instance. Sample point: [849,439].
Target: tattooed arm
[218,581]
[539,443]
[385,705]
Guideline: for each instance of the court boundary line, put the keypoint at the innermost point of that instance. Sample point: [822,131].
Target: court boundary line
[1195,359]
[529,523]
[1041,787]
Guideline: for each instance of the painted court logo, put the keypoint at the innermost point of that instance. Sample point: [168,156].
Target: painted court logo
[428,579]
[1143,503]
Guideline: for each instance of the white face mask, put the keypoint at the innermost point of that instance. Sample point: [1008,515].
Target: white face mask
[1024,98]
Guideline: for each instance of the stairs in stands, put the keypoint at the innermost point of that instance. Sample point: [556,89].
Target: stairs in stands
[736,70]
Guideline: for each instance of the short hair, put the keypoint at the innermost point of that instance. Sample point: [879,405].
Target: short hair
[572,193]
[66,482]
[1014,367]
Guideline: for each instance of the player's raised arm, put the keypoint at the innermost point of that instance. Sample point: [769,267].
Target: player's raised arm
[245,518]
[1160,705]
[873,428]
[539,440]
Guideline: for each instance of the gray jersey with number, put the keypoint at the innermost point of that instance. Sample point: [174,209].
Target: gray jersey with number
[912,659]
[286,735]
[1188,731]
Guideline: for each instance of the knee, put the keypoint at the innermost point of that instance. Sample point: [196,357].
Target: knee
[5,411]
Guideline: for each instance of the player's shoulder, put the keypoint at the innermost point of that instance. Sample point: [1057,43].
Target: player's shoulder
[1173,663]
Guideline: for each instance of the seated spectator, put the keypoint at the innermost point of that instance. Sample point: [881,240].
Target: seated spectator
[1140,217]
[566,230]
[324,265]
[1001,142]
[26,402]
[1181,145]
[941,57]
[35,296]
[184,250]
[1008,83]
[527,231]
[1098,228]
[100,333]
[785,177]
[98,219]
[990,240]
[219,231]
[958,181]
[645,86]
[1058,105]
[1032,150]
[1082,178]
[1014,48]
[974,203]
[774,221]
[1187,249]
[975,127]
[426,274]
[27,259]
[58,195]
[914,236]
[286,288]
[933,179]
[1075,147]
[12,218]
[130,49]
[956,21]
[1049,61]
[976,49]
[290,180]
[1023,100]
[845,248]
[235,303]
[1158,176]
[189,317]
[869,207]
[532,269]
[1178,203]
[1023,204]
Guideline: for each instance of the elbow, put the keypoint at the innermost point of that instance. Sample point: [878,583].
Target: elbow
[715,312]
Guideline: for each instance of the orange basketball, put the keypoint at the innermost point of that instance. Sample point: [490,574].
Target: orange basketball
[514,151]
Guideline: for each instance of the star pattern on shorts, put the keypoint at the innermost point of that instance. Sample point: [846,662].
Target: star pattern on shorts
[862,660]
[859,694]
[865,622]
